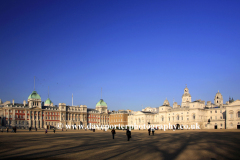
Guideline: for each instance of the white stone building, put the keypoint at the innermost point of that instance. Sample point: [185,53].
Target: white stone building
[207,116]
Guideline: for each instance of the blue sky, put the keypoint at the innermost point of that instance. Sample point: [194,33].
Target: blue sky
[139,52]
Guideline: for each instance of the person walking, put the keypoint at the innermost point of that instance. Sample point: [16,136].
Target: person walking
[153,130]
[7,129]
[113,132]
[36,129]
[128,133]
[54,130]
[149,131]
[46,131]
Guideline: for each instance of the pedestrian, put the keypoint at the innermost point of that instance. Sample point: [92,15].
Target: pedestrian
[15,129]
[62,129]
[46,131]
[128,133]
[36,129]
[153,130]
[113,132]
[1,129]
[54,130]
[7,129]
[149,131]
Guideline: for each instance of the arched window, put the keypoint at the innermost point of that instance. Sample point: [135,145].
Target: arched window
[177,117]
[238,114]
[194,116]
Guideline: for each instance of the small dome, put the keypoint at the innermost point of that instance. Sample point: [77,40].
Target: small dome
[48,102]
[34,95]
[166,102]
[101,103]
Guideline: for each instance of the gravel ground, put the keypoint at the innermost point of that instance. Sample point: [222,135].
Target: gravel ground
[74,144]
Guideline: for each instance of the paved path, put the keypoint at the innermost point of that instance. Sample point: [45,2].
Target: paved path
[201,144]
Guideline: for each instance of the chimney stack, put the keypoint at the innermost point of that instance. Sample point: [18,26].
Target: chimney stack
[24,103]
[13,101]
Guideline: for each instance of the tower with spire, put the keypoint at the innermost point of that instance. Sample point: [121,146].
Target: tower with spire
[186,97]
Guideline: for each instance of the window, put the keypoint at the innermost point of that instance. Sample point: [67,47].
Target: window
[221,124]
[211,117]
[182,118]
[162,118]
[220,117]
[193,116]
[215,117]
[19,111]
[16,111]
[22,111]
[216,111]
[238,114]
[210,111]
[177,117]
[220,111]
[193,105]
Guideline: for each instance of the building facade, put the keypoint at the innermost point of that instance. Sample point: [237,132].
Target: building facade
[208,116]
[118,118]
[36,114]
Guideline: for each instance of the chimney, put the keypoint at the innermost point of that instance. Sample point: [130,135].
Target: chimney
[24,103]
[13,101]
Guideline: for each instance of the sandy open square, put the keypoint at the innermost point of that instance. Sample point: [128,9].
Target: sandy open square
[201,144]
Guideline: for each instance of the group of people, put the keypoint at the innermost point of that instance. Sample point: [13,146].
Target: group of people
[128,133]
[149,131]
[14,129]
[54,130]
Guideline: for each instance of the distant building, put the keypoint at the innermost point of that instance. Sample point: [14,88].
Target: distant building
[118,118]
[210,116]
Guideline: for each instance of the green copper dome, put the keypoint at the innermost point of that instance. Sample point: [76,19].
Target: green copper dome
[34,95]
[48,102]
[101,103]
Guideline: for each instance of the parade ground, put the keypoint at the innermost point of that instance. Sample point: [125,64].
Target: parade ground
[80,144]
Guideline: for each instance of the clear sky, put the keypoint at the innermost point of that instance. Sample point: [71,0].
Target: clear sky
[139,52]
